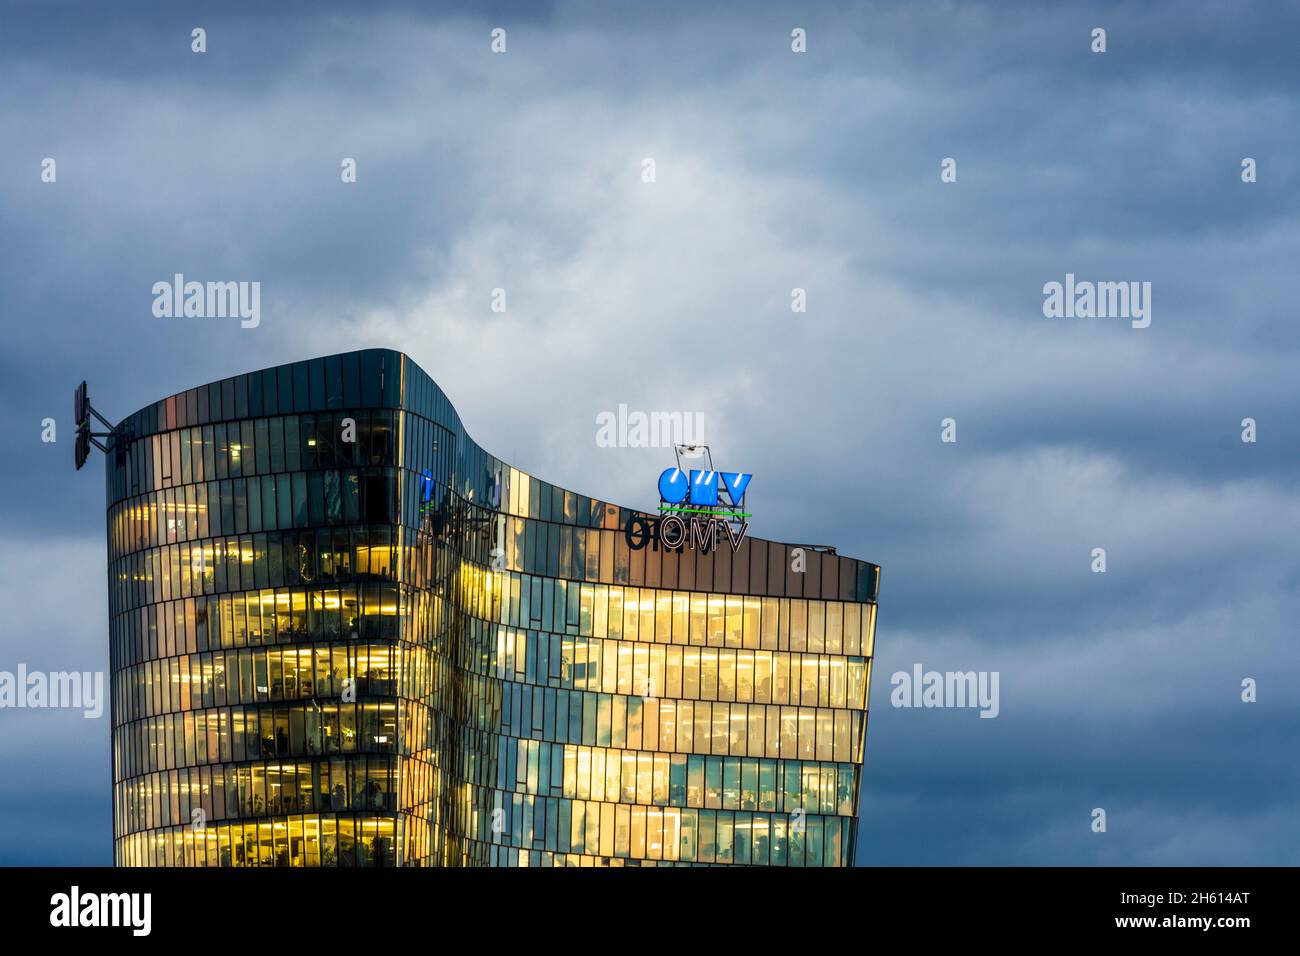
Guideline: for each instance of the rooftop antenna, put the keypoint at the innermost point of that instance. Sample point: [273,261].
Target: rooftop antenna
[693,451]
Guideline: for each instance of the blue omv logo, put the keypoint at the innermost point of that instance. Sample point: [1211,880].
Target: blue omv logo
[699,507]
[701,488]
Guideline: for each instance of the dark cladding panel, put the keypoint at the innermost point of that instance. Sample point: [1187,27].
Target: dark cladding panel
[812,577]
[740,567]
[758,549]
[777,562]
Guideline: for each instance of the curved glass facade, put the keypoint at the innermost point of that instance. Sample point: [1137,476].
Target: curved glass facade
[344,635]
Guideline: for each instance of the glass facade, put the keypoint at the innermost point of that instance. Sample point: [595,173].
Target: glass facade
[342,634]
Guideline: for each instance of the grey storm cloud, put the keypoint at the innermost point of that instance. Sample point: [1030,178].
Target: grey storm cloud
[774,171]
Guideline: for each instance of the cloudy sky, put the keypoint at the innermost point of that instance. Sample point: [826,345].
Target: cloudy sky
[773,171]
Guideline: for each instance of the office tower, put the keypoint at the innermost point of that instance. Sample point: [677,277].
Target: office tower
[342,634]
